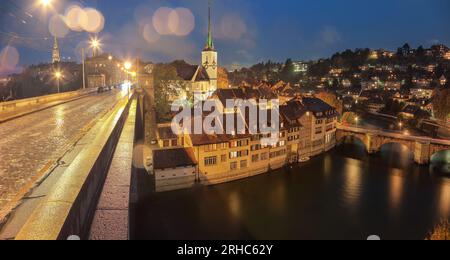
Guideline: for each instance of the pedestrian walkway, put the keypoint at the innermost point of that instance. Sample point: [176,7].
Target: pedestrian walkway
[111,219]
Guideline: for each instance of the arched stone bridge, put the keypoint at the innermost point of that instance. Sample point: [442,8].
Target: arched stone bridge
[423,148]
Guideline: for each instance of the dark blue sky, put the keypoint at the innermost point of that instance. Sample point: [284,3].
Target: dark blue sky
[246,31]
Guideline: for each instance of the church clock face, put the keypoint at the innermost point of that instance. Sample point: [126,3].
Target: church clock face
[206,65]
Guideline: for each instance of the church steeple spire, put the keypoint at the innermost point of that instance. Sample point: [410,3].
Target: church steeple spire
[56,56]
[209,41]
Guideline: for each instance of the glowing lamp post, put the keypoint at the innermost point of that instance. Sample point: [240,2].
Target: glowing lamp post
[95,46]
[45,3]
[58,76]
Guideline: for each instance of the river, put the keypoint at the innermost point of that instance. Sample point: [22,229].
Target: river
[342,194]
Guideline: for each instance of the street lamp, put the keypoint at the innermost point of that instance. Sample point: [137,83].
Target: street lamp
[127,65]
[95,45]
[45,3]
[58,76]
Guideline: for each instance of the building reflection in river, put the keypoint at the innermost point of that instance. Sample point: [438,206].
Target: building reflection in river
[352,187]
[396,184]
[343,194]
[444,197]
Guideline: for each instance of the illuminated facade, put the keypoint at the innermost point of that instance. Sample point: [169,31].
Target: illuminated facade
[210,57]
[56,55]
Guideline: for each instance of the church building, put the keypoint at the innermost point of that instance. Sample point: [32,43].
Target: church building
[201,80]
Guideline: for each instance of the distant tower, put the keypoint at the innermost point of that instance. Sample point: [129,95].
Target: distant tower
[56,57]
[209,55]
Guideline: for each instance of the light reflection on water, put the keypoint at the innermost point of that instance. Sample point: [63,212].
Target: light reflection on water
[343,194]
[352,182]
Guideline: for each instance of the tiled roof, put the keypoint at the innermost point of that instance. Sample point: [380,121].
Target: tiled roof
[319,107]
[173,158]
[202,74]
[184,70]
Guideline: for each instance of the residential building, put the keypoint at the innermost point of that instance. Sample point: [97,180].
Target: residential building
[447,55]
[307,128]
[174,169]
[166,137]
[300,67]
[422,93]
[106,65]
[375,104]
[96,80]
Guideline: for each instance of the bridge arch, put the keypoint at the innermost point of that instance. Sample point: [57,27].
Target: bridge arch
[441,155]
[390,142]
[352,139]
[440,161]
[406,152]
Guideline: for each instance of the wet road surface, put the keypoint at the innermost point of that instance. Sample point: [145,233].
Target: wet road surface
[29,143]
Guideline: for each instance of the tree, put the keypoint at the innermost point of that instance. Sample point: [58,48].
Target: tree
[167,85]
[441,104]
[420,51]
[222,81]
[287,74]
[441,232]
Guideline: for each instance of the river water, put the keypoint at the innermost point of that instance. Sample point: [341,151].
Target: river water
[343,194]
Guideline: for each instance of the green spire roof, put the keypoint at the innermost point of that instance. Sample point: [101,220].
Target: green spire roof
[209,40]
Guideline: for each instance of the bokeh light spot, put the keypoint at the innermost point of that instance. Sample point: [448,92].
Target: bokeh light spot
[9,59]
[74,14]
[58,27]
[181,21]
[161,21]
[95,21]
[150,34]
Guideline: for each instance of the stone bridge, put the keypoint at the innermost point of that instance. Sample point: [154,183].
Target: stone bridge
[423,148]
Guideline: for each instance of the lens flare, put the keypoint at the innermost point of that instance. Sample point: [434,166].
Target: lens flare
[88,19]
[161,20]
[74,14]
[95,21]
[9,59]
[149,33]
[181,21]
[58,27]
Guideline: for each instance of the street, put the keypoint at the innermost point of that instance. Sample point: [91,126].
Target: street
[30,144]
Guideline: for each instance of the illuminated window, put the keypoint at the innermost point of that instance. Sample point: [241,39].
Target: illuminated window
[209,161]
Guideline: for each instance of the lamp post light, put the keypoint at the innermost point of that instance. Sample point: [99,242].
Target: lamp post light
[58,76]
[45,3]
[127,65]
[95,46]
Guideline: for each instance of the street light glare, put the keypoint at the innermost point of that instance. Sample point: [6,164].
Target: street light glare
[95,43]
[45,2]
[58,74]
[127,65]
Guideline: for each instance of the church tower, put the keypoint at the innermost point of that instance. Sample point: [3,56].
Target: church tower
[56,57]
[209,55]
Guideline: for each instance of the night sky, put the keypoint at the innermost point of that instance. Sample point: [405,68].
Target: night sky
[245,31]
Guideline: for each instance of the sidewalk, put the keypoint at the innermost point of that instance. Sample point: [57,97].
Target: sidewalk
[111,219]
